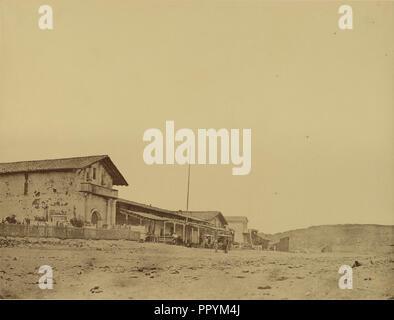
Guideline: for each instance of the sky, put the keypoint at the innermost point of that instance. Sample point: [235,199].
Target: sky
[319,100]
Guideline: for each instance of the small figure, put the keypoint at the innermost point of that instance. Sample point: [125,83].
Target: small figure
[215,245]
[175,238]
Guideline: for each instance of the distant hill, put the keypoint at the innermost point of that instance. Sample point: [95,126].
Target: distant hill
[339,238]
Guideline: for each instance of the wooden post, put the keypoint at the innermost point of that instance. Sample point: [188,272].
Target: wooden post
[188,186]
[108,216]
[86,207]
[184,233]
[113,211]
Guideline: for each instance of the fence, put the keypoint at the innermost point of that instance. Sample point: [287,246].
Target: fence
[22,230]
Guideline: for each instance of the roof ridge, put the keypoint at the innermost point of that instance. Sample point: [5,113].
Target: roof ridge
[64,164]
[54,159]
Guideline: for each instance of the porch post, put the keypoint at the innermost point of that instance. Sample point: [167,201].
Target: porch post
[113,215]
[86,206]
[108,216]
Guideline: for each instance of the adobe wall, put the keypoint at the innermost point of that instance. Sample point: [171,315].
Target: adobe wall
[39,195]
[54,195]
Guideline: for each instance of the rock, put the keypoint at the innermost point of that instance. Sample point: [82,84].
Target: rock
[264,287]
[356,264]
[96,289]
[327,248]
[281,278]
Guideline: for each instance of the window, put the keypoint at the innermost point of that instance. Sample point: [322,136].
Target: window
[103,179]
[94,173]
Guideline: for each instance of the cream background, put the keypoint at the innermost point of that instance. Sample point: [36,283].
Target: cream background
[319,100]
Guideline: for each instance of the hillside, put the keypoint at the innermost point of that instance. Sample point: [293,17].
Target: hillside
[340,238]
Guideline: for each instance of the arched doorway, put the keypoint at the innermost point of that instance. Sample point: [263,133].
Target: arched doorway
[95,217]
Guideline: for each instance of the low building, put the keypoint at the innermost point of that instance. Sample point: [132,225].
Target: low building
[161,224]
[282,245]
[258,240]
[220,231]
[239,225]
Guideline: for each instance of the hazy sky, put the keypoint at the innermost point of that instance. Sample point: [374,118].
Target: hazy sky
[319,100]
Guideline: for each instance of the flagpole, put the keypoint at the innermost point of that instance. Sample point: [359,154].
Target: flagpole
[188,187]
[188,183]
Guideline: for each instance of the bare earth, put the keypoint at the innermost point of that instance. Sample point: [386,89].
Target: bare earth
[101,269]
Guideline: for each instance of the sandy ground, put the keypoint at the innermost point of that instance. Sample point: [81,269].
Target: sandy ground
[128,270]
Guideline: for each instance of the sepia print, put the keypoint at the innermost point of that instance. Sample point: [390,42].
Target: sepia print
[199,150]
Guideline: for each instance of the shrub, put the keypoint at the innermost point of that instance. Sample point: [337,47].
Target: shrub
[41,219]
[11,219]
[75,222]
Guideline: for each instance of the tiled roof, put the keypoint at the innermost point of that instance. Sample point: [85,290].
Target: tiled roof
[63,164]
[205,215]
[144,215]
[172,213]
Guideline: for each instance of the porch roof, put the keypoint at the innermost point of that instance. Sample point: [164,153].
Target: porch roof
[144,215]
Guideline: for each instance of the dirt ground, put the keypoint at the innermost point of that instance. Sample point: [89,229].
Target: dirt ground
[101,269]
